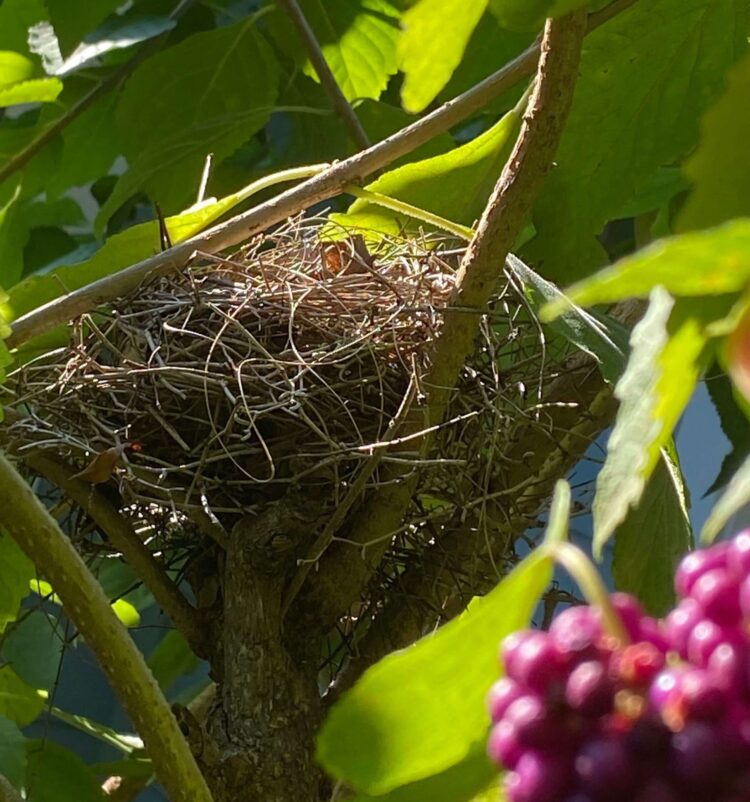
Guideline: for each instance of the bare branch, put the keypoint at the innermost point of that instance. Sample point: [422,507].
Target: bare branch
[344,572]
[7,792]
[325,185]
[29,523]
[327,79]
[126,541]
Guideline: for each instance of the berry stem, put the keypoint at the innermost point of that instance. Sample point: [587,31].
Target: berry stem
[583,571]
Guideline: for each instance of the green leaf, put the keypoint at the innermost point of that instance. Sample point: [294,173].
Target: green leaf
[127,744]
[459,783]
[14,68]
[115,34]
[16,17]
[668,352]
[127,614]
[210,104]
[422,711]
[171,659]
[645,79]
[712,262]
[719,168]
[36,90]
[73,19]
[580,328]
[734,498]
[525,14]
[12,752]
[18,701]
[358,39]
[55,774]
[454,185]
[432,46]
[34,649]
[653,537]
[15,575]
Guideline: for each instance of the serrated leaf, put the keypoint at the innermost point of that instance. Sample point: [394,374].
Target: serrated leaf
[645,79]
[73,19]
[14,68]
[652,538]
[719,168]
[712,262]
[12,752]
[734,498]
[212,104]
[454,185]
[421,711]
[584,330]
[171,659]
[668,352]
[17,571]
[36,90]
[115,34]
[18,701]
[55,774]
[358,39]
[435,36]
[34,648]
[526,14]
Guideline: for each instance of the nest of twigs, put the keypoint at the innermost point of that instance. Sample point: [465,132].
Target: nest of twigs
[282,368]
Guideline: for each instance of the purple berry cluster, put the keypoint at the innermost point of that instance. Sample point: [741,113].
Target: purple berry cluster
[582,716]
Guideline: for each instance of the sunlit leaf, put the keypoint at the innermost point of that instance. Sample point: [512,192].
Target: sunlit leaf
[14,68]
[422,711]
[36,90]
[125,611]
[734,498]
[454,185]
[432,46]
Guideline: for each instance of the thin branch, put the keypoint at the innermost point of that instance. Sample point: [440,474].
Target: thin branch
[23,157]
[343,572]
[327,184]
[327,79]
[37,533]
[123,538]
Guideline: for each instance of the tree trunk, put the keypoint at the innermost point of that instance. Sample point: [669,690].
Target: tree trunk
[257,743]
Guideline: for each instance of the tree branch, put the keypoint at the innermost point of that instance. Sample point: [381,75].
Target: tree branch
[327,79]
[7,792]
[122,536]
[23,157]
[40,538]
[323,186]
[344,572]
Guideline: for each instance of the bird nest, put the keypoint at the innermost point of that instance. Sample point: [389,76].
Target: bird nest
[230,383]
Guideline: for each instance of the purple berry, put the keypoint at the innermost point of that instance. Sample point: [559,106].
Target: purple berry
[738,554]
[745,597]
[652,631]
[729,665]
[603,767]
[589,690]
[630,612]
[697,756]
[501,696]
[533,660]
[717,592]
[664,688]
[702,641]
[503,746]
[695,564]
[658,790]
[575,632]
[538,777]
[534,724]
[680,623]
[701,697]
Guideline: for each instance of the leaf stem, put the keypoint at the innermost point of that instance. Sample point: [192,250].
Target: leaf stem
[327,78]
[37,533]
